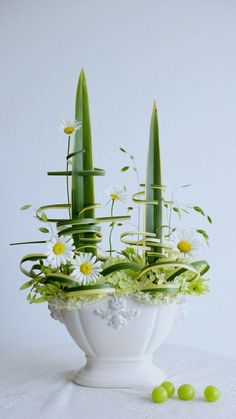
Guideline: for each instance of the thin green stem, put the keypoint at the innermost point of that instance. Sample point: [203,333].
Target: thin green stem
[170,211]
[138,180]
[172,202]
[67,177]
[51,229]
[112,227]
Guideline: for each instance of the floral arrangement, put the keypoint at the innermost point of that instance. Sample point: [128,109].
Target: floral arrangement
[156,264]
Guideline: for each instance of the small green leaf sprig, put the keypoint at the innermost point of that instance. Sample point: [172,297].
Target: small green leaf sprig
[133,167]
[173,206]
[43,219]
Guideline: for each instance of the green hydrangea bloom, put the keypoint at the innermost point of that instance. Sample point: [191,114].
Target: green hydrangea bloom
[197,287]
[124,279]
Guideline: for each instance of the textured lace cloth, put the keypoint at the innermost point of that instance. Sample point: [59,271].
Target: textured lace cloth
[38,384]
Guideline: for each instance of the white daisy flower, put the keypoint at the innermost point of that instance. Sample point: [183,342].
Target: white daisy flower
[185,243]
[86,268]
[69,126]
[116,195]
[60,251]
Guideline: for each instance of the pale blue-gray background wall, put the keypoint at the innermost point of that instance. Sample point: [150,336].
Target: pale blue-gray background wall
[182,53]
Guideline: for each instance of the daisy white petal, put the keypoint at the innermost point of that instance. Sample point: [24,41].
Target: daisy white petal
[85,268]
[60,251]
[116,195]
[185,243]
[69,126]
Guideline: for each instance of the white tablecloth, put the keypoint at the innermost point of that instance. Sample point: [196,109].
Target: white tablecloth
[38,384]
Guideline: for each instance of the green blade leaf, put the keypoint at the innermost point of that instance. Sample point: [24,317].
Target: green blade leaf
[74,154]
[153,213]
[33,242]
[200,265]
[89,290]
[120,267]
[163,263]
[82,186]
[30,258]
[61,278]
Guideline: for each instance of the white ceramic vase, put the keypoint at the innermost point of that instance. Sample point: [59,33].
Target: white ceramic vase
[119,336]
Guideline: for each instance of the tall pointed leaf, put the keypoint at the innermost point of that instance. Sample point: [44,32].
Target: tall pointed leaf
[153,213]
[82,186]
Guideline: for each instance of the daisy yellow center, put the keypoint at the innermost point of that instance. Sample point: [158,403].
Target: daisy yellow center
[184,246]
[115,196]
[58,248]
[69,130]
[85,268]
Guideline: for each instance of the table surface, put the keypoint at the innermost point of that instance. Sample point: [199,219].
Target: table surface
[38,384]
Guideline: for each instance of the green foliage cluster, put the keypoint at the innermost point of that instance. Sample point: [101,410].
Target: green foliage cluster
[148,266]
[48,284]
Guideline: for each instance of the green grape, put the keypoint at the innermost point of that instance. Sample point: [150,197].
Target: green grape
[159,394]
[170,388]
[186,392]
[212,393]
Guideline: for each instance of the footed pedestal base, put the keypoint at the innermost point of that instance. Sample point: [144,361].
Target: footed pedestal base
[118,372]
[119,336]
